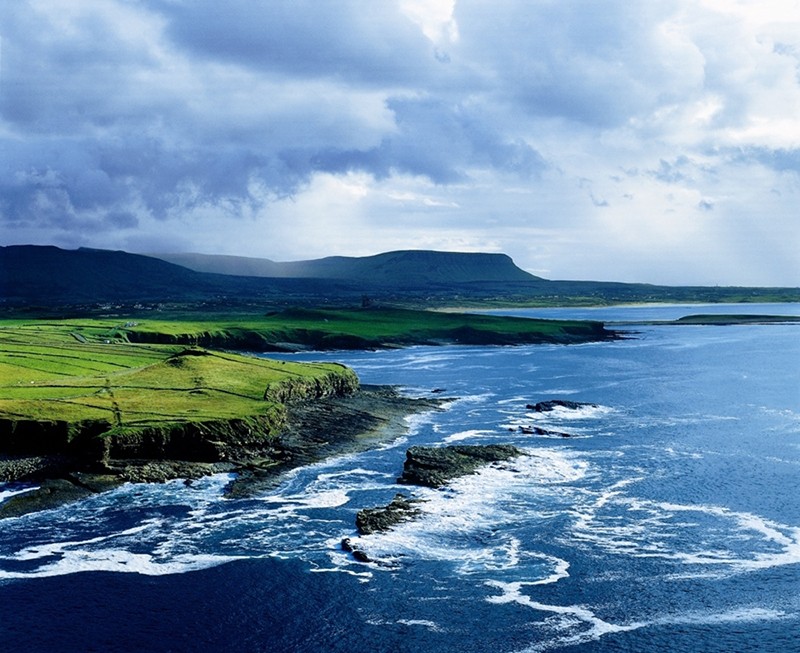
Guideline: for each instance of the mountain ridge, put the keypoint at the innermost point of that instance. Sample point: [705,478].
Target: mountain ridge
[412,266]
[50,280]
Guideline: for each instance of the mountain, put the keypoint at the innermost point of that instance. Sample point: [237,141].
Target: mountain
[401,268]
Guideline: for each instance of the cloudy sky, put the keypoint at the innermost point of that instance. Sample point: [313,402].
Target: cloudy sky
[654,141]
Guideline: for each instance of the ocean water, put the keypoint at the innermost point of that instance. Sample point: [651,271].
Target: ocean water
[669,520]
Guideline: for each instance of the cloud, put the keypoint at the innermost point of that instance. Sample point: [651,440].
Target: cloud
[567,134]
[357,42]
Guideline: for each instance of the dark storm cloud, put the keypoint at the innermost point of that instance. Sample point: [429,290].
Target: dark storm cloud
[105,130]
[356,41]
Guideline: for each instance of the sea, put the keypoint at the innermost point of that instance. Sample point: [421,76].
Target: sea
[662,514]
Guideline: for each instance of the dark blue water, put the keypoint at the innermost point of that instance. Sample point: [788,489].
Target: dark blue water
[668,521]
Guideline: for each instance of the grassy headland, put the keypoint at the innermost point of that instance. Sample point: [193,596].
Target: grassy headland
[79,388]
[134,374]
[370,328]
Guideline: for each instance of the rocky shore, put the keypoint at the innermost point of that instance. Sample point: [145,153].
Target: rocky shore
[311,430]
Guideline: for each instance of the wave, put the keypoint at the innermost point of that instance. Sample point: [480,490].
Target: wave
[689,536]
[571,618]
[468,435]
[9,490]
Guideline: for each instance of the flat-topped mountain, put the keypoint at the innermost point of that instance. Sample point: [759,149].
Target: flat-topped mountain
[406,267]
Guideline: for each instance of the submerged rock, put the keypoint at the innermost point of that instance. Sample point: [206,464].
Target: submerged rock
[552,404]
[435,466]
[536,430]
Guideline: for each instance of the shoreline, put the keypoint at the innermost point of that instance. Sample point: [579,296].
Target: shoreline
[314,431]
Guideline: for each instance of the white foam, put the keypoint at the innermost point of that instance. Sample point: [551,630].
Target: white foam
[464,523]
[6,493]
[467,435]
[362,576]
[321,499]
[691,535]
[425,623]
[67,557]
[119,560]
[738,615]
[577,615]
[563,414]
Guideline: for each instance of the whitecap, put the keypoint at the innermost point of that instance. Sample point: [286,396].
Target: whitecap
[578,618]
[467,435]
[8,491]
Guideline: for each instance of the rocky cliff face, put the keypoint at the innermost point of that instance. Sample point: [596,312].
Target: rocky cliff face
[257,449]
[89,443]
[336,384]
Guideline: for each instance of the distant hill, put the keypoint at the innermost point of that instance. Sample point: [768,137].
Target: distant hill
[46,279]
[403,268]
[31,273]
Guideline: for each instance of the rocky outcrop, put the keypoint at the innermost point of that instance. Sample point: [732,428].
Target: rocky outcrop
[435,466]
[375,520]
[537,430]
[430,467]
[328,426]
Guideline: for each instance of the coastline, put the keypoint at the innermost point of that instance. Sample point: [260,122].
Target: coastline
[314,430]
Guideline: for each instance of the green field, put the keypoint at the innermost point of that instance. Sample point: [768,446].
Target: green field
[373,328]
[87,373]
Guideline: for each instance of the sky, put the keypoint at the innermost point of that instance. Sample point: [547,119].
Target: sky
[648,141]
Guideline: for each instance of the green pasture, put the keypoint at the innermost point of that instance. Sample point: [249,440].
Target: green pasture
[356,328]
[76,371]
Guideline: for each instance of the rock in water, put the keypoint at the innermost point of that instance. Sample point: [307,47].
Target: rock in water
[376,520]
[547,406]
[435,466]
